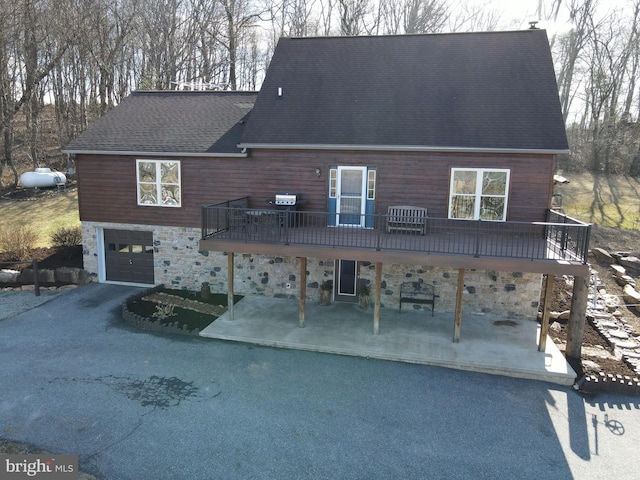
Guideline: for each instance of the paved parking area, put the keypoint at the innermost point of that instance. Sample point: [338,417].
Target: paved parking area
[13,302]
[132,405]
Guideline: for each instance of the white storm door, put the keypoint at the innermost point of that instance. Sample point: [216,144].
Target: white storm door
[351,195]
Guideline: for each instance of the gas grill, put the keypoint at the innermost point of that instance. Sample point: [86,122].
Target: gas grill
[288,202]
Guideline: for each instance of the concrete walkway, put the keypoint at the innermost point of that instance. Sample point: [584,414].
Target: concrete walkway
[490,345]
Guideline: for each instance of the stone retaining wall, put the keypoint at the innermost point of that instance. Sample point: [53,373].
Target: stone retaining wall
[179,264]
[67,275]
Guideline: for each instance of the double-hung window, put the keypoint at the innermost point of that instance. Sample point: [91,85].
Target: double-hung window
[479,194]
[159,183]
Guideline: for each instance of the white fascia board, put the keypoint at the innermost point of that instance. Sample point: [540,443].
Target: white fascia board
[153,154]
[400,148]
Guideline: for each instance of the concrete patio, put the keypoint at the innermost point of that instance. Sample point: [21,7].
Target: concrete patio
[499,346]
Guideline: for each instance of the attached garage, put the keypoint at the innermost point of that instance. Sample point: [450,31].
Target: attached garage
[128,256]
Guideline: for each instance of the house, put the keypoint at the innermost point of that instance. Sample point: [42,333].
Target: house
[178,187]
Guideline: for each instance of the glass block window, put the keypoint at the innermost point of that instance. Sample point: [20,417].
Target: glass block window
[479,194]
[159,183]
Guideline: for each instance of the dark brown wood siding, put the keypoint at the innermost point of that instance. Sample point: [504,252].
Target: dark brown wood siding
[108,183]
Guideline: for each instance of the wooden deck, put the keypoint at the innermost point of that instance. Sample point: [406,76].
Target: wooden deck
[497,249]
[460,243]
[558,246]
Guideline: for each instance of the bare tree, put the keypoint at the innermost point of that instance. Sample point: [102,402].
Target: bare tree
[581,14]
[352,16]
[414,16]
[240,15]
[23,66]
[326,16]
[473,17]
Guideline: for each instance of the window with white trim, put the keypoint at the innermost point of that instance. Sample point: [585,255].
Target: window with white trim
[371,184]
[159,183]
[479,194]
[333,182]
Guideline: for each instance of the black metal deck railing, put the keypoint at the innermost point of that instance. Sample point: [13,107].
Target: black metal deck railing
[559,238]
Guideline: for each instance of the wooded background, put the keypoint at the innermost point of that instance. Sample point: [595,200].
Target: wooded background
[64,63]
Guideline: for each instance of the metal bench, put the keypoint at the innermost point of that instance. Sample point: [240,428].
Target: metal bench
[406,219]
[417,292]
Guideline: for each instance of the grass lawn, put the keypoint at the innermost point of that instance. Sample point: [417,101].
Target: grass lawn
[612,201]
[42,213]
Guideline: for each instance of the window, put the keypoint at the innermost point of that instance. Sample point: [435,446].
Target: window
[158,183]
[333,182]
[371,184]
[479,194]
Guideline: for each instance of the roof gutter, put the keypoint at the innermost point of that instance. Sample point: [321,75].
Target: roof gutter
[242,154]
[400,148]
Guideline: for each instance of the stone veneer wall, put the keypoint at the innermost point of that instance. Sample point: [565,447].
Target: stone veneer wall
[179,264]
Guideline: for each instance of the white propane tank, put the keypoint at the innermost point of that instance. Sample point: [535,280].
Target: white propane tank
[42,177]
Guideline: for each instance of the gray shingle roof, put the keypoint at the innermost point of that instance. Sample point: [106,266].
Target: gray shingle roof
[494,90]
[170,122]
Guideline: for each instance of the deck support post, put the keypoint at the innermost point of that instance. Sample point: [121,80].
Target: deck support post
[575,326]
[303,290]
[458,319]
[230,274]
[546,309]
[376,303]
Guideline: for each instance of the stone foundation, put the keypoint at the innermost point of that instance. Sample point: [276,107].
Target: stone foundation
[179,264]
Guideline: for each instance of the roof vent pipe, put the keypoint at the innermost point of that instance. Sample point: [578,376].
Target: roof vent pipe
[279,92]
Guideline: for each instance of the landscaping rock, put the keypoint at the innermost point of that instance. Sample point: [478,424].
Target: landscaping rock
[44,276]
[631,296]
[9,276]
[618,270]
[625,344]
[625,280]
[630,262]
[621,334]
[76,276]
[602,255]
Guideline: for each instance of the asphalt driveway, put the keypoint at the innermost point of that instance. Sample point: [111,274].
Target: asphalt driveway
[76,379]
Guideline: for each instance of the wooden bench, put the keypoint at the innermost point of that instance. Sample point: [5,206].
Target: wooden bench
[417,292]
[406,219]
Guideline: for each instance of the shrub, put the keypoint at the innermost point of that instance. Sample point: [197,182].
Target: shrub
[19,241]
[67,237]
[164,311]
